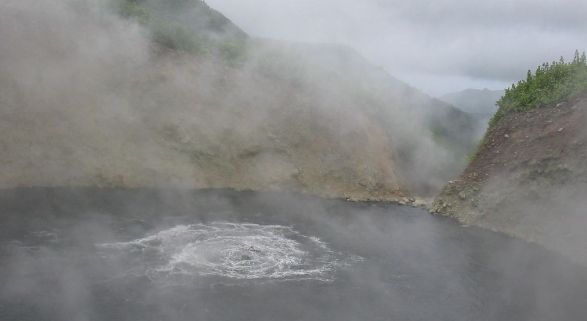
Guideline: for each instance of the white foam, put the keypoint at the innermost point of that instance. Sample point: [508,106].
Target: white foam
[237,251]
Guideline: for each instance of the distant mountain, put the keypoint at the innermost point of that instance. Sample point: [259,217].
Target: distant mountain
[474,101]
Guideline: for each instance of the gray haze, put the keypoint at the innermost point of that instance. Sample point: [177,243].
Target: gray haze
[84,100]
[438,46]
[88,102]
[397,263]
[475,101]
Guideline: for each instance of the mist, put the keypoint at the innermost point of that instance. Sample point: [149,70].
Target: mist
[163,161]
[101,261]
[97,102]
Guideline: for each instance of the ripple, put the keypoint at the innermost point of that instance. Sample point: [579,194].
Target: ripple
[229,250]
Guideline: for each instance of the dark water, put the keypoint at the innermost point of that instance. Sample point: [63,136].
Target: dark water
[99,254]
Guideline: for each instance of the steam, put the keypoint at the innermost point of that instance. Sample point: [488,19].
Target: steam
[147,255]
[551,215]
[89,99]
[229,250]
[528,180]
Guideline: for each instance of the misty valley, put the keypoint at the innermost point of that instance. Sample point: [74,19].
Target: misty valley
[292,160]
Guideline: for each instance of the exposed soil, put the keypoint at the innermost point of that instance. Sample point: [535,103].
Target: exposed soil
[528,178]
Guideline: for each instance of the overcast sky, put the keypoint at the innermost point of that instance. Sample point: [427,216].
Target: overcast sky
[436,45]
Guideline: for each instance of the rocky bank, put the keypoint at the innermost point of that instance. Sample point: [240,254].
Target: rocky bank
[529,179]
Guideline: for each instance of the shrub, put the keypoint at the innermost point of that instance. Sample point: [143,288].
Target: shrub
[550,83]
[209,38]
[177,38]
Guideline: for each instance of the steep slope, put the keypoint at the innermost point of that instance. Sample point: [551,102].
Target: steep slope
[88,98]
[430,139]
[188,25]
[529,178]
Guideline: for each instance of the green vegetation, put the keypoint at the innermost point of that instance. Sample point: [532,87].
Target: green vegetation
[198,30]
[551,83]
[132,9]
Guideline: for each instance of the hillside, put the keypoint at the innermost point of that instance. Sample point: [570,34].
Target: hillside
[475,101]
[186,25]
[430,139]
[529,178]
[144,98]
[479,103]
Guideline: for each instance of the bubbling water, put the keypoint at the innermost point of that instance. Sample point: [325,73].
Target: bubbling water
[230,250]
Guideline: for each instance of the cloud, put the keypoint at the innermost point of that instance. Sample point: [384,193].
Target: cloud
[489,41]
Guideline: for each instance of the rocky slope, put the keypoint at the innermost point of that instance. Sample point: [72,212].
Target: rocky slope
[529,179]
[89,98]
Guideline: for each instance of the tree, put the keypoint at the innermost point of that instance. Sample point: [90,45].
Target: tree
[551,83]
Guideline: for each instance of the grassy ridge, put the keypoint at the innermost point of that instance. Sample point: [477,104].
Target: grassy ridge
[187,25]
[550,83]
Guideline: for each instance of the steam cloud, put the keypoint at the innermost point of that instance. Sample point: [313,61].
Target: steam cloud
[88,99]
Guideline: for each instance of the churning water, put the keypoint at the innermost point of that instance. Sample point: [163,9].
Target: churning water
[231,250]
[146,255]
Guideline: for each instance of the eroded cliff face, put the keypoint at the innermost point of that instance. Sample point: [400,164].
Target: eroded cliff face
[529,179]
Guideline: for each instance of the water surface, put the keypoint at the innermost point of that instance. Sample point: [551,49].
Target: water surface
[104,254]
